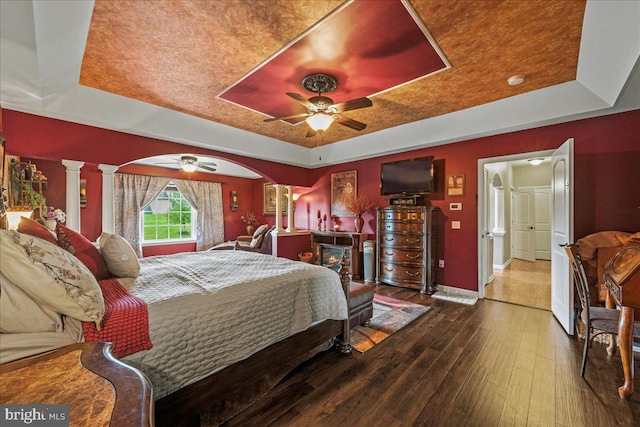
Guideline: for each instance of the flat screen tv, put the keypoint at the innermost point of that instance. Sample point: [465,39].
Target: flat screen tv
[407,177]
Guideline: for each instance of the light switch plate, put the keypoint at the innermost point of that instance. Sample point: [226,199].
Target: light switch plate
[455,206]
[455,225]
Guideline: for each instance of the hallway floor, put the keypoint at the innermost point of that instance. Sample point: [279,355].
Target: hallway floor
[522,282]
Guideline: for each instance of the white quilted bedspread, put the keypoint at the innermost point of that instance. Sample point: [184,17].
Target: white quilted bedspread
[208,310]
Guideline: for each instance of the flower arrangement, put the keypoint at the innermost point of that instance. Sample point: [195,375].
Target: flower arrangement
[249,219]
[56,214]
[357,204]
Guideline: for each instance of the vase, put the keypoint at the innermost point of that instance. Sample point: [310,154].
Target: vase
[249,230]
[50,224]
[359,223]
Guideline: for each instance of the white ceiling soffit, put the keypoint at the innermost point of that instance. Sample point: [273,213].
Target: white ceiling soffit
[223,167]
[44,82]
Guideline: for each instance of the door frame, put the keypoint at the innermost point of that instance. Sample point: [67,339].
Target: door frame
[482,256]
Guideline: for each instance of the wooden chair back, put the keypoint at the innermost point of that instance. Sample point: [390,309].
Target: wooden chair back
[579,276]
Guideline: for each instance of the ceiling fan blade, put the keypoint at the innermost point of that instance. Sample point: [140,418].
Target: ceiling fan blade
[301,99]
[354,104]
[168,163]
[350,123]
[294,116]
[207,168]
[210,164]
[311,132]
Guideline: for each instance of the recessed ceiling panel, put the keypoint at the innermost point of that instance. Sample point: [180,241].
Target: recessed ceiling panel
[369,46]
[187,55]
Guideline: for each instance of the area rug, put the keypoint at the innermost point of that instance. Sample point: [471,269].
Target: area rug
[389,316]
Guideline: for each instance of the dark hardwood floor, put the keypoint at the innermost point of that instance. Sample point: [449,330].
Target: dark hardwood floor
[490,364]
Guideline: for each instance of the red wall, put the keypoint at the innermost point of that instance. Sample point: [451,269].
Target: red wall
[44,138]
[607,184]
[607,177]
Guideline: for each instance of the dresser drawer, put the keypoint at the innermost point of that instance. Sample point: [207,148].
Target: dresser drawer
[397,215]
[396,273]
[400,255]
[395,239]
[410,227]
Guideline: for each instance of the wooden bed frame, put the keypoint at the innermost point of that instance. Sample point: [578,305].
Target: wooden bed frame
[233,389]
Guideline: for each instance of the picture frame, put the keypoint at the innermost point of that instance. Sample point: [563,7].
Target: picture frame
[269,200]
[456,184]
[343,185]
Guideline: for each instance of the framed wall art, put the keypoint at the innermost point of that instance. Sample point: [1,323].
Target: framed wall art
[455,184]
[269,198]
[343,185]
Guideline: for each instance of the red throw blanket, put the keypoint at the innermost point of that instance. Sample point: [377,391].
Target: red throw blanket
[125,322]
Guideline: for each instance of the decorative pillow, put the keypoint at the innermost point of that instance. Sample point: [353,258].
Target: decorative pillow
[82,248]
[258,235]
[51,276]
[260,231]
[119,256]
[31,227]
[20,314]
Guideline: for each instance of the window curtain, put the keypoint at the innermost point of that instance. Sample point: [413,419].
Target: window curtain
[206,198]
[132,193]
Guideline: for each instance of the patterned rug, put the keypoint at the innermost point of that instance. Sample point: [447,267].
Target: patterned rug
[389,316]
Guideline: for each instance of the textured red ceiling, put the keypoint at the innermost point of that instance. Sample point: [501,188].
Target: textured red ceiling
[369,46]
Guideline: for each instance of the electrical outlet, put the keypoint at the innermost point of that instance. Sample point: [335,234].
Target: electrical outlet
[455,225]
[441,263]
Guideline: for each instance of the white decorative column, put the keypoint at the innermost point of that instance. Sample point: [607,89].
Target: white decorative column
[108,214]
[291,202]
[73,193]
[279,189]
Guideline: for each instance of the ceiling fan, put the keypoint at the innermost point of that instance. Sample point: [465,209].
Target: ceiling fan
[190,164]
[321,111]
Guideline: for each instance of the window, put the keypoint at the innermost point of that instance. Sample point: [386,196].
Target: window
[169,217]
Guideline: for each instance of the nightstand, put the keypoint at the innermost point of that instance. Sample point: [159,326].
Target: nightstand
[100,390]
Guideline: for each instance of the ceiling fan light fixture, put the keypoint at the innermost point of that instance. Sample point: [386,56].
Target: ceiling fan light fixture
[320,121]
[188,167]
[188,164]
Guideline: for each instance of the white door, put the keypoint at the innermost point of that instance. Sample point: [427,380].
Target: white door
[524,220]
[543,222]
[487,235]
[562,234]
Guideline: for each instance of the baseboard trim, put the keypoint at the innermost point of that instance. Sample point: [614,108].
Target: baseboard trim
[465,292]
[503,266]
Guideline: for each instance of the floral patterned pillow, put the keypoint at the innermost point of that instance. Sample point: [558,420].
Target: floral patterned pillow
[51,276]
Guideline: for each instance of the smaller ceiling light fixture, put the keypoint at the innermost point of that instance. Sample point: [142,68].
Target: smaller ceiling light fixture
[188,164]
[515,80]
[535,161]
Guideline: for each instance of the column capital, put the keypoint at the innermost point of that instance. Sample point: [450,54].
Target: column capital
[72,165]
[108,168]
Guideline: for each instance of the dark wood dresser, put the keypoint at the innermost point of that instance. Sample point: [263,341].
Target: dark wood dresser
[406,247]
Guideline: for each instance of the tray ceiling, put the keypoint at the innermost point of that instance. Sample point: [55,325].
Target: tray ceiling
[155,68]
[181,54]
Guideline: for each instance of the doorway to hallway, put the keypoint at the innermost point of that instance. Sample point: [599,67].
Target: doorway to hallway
[523,283]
